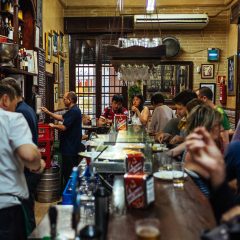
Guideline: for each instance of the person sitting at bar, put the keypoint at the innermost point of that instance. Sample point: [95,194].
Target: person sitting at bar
[177,125]
[206,95]
[202,115]
[86,121]
[107,117]
[162,114]
[205,154]
[140,112]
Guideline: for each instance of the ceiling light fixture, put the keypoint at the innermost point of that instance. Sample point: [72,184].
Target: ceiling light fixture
[150,6]
[120,5]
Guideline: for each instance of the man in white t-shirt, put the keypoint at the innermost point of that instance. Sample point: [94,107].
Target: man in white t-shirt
[17,150]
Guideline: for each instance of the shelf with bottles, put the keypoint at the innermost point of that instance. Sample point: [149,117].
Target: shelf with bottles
[6,28]
[7,6]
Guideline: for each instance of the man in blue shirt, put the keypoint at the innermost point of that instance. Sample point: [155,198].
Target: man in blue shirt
[71,133]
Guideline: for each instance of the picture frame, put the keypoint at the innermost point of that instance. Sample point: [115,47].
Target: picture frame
[207,71]
[61,43]
[61,77]
[232,75]
[56,94]
[48,46]
[212,86]
[56,72]
[55,43]
[37,37]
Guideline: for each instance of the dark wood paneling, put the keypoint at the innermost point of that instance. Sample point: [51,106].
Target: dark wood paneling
[72,76]
[74,25]
[28,29]
[234,18]
[98,77]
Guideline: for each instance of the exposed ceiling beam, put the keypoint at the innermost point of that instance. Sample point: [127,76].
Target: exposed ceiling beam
[141,3]
[63,3]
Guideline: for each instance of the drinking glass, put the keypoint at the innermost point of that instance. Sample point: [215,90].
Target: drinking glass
[164,161]
[147,229]
[178,174]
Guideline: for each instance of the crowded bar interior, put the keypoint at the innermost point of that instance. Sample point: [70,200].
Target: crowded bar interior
[119,119]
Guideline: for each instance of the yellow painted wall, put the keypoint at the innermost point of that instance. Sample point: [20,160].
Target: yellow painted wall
[53,14]
[232,50]
[194,43]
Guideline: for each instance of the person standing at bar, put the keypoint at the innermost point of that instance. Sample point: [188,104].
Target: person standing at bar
[70,132]
[17,150]
[31,178]
[206,95]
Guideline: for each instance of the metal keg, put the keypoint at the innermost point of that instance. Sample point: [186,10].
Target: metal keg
[48,189]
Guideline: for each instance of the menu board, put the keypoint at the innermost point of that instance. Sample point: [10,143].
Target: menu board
[42,78]
[39,21]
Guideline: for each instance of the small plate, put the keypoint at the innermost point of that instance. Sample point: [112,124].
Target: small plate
[167,175]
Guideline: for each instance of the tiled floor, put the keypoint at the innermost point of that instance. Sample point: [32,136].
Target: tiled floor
[41,209]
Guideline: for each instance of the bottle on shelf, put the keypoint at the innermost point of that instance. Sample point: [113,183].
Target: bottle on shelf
[2,30]
[20,35]
[6,29]
[10,30]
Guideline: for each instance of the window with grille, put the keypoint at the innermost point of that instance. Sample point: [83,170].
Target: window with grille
[94,95]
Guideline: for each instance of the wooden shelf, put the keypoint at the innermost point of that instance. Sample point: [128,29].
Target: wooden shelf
[6,13]
[16,71]
[136,52]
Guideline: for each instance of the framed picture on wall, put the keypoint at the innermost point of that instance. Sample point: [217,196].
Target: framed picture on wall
[207,71]
[48,46]
[56,72]
[60,44]
[232,75]
[56,87]
[37,37]
[212,86]
[61,77]
[55,43]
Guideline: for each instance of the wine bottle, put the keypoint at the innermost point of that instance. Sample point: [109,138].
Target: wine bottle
[6,29]
[10,30]
[20,36]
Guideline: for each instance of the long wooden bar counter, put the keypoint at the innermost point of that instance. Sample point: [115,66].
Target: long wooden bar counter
[183,214]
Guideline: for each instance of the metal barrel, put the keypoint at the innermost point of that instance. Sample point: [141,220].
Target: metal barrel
[48,189]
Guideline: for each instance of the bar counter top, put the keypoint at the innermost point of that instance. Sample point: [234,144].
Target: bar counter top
[183,214]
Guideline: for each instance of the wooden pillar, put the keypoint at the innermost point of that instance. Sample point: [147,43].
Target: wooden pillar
[15,22]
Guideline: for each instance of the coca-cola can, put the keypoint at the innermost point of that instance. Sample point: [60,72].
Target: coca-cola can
[135,163]
[139,189]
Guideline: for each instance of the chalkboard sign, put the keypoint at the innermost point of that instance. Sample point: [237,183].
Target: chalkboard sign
[42,78]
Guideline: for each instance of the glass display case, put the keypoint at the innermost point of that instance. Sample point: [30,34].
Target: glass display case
[119,144]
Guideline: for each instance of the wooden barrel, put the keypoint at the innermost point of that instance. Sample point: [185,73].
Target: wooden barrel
[48,189]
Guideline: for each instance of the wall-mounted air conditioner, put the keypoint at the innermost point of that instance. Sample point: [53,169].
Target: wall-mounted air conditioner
[171,21]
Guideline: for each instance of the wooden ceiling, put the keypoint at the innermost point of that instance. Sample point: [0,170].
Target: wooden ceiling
[141,3]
